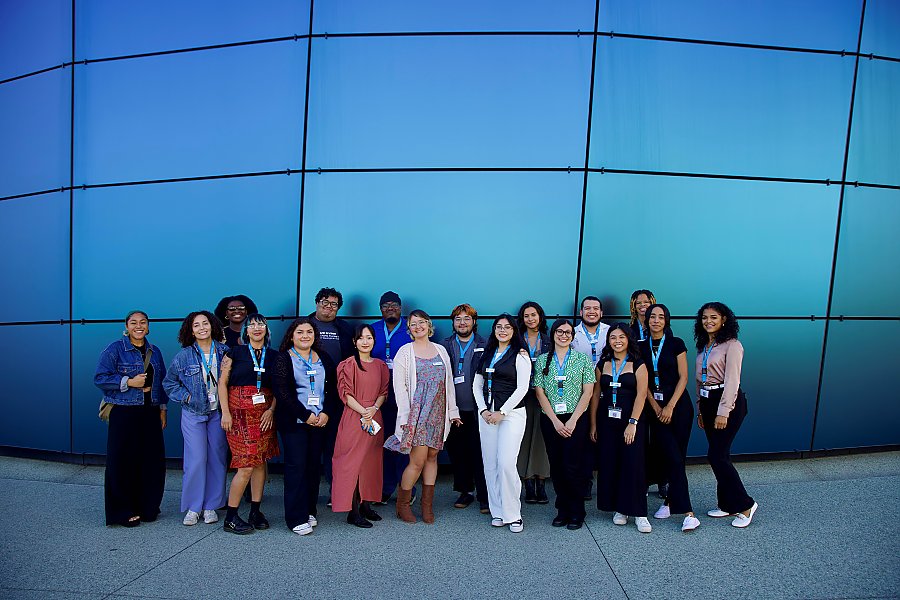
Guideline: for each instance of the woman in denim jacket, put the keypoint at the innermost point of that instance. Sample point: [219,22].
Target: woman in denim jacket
[135,454]
[192,380]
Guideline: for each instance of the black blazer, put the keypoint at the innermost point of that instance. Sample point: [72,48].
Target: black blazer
[289,409]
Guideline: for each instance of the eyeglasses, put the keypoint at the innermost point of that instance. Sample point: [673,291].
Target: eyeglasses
[236,308]
[256,325]
[503,327]
[462,319]
[564,332]
[390,305]
[417,324]
[328,303]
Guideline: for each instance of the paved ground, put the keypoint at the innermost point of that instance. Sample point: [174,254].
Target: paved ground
[826,529]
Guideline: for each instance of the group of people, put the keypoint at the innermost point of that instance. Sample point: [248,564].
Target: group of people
[373,405]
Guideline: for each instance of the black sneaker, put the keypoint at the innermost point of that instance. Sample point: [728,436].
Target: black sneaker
[559,521]
[574,524]
[237,525]
[464,500]
[258,520]
[366,511]
[354,518]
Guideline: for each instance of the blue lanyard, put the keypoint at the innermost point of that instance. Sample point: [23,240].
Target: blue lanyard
[309,370]
[535,350]
[592,341]
[615,376]
[705,360]
[207,366]
[655,357]
[497,356]
[641,331]
[259,370]
[387,338]
[561,370]
[462,353]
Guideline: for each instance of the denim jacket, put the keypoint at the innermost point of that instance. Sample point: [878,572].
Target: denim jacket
[186,380]
[121,361]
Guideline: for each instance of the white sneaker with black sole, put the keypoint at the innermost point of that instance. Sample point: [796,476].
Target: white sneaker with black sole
[517,526]
[497,522]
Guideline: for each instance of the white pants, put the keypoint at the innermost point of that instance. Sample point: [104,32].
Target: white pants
[500,450]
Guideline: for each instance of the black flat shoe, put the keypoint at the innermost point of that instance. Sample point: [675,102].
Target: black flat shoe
[464,500]
[358,520]
[237,525]
[559,521]
[132,522]
[258,520]
[574,524]
[366,511]
[541,492]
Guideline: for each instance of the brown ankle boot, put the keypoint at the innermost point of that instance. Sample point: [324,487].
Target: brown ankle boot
[404,513]
[428,503]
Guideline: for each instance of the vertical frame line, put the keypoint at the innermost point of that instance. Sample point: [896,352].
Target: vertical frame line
[303,156]
[71,231]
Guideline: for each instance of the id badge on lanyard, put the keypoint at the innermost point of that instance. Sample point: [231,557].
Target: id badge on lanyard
[258,397]
[615,412]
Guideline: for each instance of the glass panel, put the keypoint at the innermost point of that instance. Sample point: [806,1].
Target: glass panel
[875,136]
[88,341]
[36,400]
[34,35]
[803,23]
[440,218]
[852,413]
[129,240]
[865,284]
[34,133]
[114,28]
[413,102]
[880,29]
[236,110]
[35,258]
[683,107]
[709,239]
[464,15]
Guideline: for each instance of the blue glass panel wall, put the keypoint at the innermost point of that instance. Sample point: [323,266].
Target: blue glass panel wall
[34,35]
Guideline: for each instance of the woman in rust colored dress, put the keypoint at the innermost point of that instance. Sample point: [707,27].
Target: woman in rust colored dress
[362,387]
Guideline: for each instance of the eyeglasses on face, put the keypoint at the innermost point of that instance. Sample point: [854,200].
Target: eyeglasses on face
[328,303]
[393,305]
[256,325]
[462,319]
[417,324]
[503,327]
[563,333]
[241,308]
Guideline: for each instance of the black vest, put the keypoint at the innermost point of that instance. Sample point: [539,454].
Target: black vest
[503,382]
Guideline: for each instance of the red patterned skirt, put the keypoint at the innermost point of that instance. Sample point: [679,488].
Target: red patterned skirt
[250,446]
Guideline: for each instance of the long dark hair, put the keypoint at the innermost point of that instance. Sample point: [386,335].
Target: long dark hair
[634,353]
[515,343]
[729,329]
[287,342]
[520,318]
[556,325]
[667,317]
[222,306]
[186,333]
[357,333]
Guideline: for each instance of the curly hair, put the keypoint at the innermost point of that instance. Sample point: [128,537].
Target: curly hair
[520,317]
[222,306]
[730,327]
[186,333]
[634,296]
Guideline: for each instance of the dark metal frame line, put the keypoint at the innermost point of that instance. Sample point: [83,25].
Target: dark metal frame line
[303,153]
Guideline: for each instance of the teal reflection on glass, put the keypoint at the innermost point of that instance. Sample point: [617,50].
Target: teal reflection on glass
[88,341]
[114,28]
[364,16]
[36,400]
[34,133]
[882,23]
[683,107]
[34,35]
[852,412]
[806,23]
[875,135]
[439,239]
[763,248]
[174,248]
[865,283]
[457,102]
[35,258]
[235,110]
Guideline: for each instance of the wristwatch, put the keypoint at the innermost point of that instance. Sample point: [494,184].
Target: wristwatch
[632,421]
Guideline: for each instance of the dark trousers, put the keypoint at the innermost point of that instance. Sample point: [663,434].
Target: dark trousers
[302,472]
[464,447]
[621,482]
[733,498]
[393,463]
[670,443]
[135,464]
[329,439]
[567,457]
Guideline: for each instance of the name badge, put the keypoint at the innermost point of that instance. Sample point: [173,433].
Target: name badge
[390,364]
[560,408]
[213,401]
[533,359]
[460,379]
[658,396]
[560,378]
[704,393]
[478,350]
[312,401]
[259,369]
[259,398]
[615,413]
[437,364]
[489,370]
[310,372]
[615,384]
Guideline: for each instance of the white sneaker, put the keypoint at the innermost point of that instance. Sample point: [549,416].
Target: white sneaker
[742,521]
[643,525]
[497,522]
[517,526]
[663,513]
[210,516]
[620,519]
[191,518]
[690,523]
[717,513]
[313,521]
[303,529]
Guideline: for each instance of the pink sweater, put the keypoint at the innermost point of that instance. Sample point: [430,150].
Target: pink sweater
[723,366]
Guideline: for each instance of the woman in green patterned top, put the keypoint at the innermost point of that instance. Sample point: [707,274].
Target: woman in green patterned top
[563,382]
